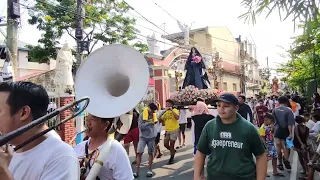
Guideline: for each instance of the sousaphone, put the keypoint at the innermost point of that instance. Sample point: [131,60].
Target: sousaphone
[115,78]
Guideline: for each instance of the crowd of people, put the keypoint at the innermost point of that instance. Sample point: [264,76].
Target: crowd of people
[266,128]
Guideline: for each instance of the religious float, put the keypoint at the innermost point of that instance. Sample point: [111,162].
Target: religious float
[196,83]
[188,96]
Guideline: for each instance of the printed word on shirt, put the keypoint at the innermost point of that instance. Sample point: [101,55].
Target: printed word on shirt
[226,143]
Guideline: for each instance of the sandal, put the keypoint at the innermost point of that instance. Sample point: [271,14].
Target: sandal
[280,167]
[278,175]
[159,156]
[286,164]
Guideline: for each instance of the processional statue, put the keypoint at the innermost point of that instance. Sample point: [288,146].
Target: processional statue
[196,74]
[275,85]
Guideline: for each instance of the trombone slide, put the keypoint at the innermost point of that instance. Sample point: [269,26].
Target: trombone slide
[94,171]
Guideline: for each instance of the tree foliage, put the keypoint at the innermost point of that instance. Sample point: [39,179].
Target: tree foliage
[104,21]
[302,57]
[301,10]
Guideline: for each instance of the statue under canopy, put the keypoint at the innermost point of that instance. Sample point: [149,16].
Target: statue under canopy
[196,74]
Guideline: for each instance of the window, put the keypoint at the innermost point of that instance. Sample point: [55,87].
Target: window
[234,86]
[225,86]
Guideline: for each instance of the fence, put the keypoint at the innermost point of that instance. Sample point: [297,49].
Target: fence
[54,103]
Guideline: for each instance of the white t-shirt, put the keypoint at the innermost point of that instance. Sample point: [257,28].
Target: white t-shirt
[116,166]
[183,116]
[54,134]
[50,160]
[310,124]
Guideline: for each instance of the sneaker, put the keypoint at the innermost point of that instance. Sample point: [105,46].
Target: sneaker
[135,175]
[149,173]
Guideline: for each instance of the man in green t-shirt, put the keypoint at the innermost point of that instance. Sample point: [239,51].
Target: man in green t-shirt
[231,142]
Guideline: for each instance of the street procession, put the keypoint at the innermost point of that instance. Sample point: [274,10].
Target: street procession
[107,90]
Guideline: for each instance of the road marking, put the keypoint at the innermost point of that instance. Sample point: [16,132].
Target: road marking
[294,168]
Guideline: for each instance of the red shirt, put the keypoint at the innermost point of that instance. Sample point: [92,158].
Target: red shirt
[261,111]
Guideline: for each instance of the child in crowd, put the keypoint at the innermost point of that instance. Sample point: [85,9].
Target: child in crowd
[310,122]
[301,135]
[266,133]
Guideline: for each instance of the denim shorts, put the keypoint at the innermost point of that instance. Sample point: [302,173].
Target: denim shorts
[150,143]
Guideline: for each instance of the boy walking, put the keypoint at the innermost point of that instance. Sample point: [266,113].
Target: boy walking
[147,136]
[266,133]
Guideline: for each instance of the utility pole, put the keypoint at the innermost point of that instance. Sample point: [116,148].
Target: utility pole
[79,32]
[268,69]
[81,46]
[13,12]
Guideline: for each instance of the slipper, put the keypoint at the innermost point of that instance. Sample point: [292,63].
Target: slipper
[278,175]
[280,167]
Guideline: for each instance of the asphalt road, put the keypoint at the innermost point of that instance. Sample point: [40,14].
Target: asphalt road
[182,169]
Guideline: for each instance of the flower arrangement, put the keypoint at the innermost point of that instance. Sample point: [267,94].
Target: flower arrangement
[189,95]
[196,59]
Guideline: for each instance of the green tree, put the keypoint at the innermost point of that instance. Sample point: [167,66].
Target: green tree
[104,21]
[302,57]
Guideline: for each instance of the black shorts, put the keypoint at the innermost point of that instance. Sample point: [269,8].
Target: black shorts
[157,140]
[182,127]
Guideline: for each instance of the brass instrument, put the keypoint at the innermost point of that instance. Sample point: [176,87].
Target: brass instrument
[8,137]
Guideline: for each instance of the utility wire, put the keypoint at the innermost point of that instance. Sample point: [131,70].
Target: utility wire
[64,8]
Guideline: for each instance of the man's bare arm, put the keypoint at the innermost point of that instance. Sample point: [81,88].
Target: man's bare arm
[198,165]
[261,166]
[5,174]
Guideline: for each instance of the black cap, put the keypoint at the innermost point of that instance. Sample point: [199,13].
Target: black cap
[229,98]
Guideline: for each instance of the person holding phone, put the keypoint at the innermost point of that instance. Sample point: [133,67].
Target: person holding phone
[171,122]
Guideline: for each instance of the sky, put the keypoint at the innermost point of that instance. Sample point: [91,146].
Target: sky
[268,33]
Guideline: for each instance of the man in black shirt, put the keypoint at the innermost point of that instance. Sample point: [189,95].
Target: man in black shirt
[244,109]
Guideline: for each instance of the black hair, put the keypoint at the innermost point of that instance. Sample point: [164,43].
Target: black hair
[200,99]
[153,106]
[317,97]
[243,97]
[299,119]
[269,116]
[283,100]
[306,114]
[170,101]
[26,94]
[316,117]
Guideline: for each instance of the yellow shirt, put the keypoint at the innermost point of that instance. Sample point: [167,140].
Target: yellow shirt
[262,130]
[170,123]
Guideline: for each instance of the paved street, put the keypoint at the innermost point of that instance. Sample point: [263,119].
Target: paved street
[183,168]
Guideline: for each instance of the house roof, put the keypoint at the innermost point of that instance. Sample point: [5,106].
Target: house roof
[32,75]
[180,34]
[21,45]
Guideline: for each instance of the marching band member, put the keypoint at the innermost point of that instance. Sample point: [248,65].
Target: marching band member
[116,166]
[45,158]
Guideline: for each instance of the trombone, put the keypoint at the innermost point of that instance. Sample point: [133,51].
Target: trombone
[8,137]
